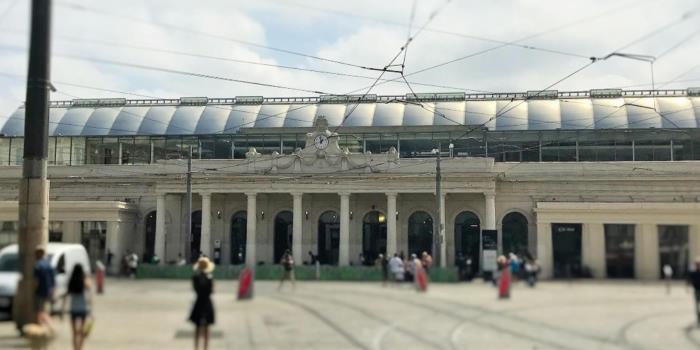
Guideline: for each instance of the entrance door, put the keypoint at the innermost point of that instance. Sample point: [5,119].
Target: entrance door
[328,238]
[283,234]
[673,249]
[239,230]
[467,233]
[196,235]
[373,236]
[619,250]
[566,249]
[150,237]
[420,233]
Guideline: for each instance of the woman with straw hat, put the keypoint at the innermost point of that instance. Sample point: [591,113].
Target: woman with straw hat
[202,314]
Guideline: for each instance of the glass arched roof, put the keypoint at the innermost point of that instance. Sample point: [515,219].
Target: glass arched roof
[172,118]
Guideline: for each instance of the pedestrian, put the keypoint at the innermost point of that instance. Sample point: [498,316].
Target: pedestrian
[287,263]
[180,260]
[202,314]
[461,264]
[312,258]
[504,277]
[694,280]
[668,274]
[531,271]
[396,267]
[110,257]
[383,263]
[80,296]
[410,266]
[132,263]
[427,261]
[45,285]
[361,259]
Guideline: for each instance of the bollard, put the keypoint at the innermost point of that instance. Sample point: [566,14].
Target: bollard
[245,284]
[100,277]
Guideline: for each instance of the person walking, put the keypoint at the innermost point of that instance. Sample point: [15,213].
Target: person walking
[383,263]
[287,263]
[427,261]
[668,274]
[45,285]
[410,266]
[694,280]
[202,314]
[396,267]
[80,296]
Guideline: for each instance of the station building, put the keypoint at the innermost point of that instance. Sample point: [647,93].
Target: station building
[602,182]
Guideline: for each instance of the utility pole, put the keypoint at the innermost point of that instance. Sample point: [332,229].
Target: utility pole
[437,238]
[34,185]
[188,230]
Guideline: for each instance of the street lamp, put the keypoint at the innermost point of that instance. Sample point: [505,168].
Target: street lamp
[437,239]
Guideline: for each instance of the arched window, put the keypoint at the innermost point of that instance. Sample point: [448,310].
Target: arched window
[514,234]
[373,236]
[239,230]
[150,237]
[467,236]
[328,238]
[283,234]
[420,233]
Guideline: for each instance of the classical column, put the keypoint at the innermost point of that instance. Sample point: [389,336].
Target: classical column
[646,252]
[391,237]
[489,211]
[344,253]
[442,240]
[593,249]
[544,249]
[296,229]
[694,242]
[205,237]
[160,227]
[251,227]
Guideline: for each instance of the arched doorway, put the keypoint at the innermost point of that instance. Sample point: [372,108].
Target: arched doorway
[239,230]
[149,248]
[515,234]
[373,236]
[283,234]
[420,233]
[467,237]
[196,238]
[328,238]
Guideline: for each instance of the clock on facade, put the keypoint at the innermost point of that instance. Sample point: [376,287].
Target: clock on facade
[321,142]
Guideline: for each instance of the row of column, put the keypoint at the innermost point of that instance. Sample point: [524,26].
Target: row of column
[344,252]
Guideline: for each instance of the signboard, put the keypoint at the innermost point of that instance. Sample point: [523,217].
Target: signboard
[249,100]
[542,94]
[606,93]
[489,249]
[196,101]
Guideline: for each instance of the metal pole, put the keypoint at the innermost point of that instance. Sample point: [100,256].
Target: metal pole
[34,186]
[188,230]
[437,238]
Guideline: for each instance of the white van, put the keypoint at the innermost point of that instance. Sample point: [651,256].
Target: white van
[63,257]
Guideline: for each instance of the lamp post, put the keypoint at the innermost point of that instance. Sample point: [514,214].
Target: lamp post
[438,238]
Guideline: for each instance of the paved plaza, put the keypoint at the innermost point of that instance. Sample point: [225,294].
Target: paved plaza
[587,315]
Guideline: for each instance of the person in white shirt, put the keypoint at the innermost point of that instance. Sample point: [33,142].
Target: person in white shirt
[396,267]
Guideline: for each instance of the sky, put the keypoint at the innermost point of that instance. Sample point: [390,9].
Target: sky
[225,48]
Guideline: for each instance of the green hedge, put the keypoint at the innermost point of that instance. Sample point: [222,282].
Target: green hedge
[302,273]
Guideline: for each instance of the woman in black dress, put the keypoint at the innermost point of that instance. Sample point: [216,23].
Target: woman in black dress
[202,314]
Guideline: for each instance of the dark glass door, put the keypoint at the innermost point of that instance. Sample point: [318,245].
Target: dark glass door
[566,250]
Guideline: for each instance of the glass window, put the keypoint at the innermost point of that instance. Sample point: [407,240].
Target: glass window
[78,150]
[291,142]
[388,141]
[56,231]
[240,146]
[173,146]
[8,233]
[94,150]
[264,144]
[619,250]
[93,236]
[468,146]
[4,151]
[127,150]
[683,149]
[188,141]
[141,150]
[673,249]
[51,156]
[515,232]
[373,143]
[352,142]
[63,150]
[159,150]
[17,151]
[417,145]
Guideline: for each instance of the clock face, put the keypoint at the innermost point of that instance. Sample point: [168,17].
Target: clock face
[321,142]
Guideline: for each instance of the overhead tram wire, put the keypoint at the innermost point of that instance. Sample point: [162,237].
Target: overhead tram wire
[234,60]
[594,60]
[403,49]
[210,35]
[532,36]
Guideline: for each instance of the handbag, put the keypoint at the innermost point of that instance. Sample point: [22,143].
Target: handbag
[87,326]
